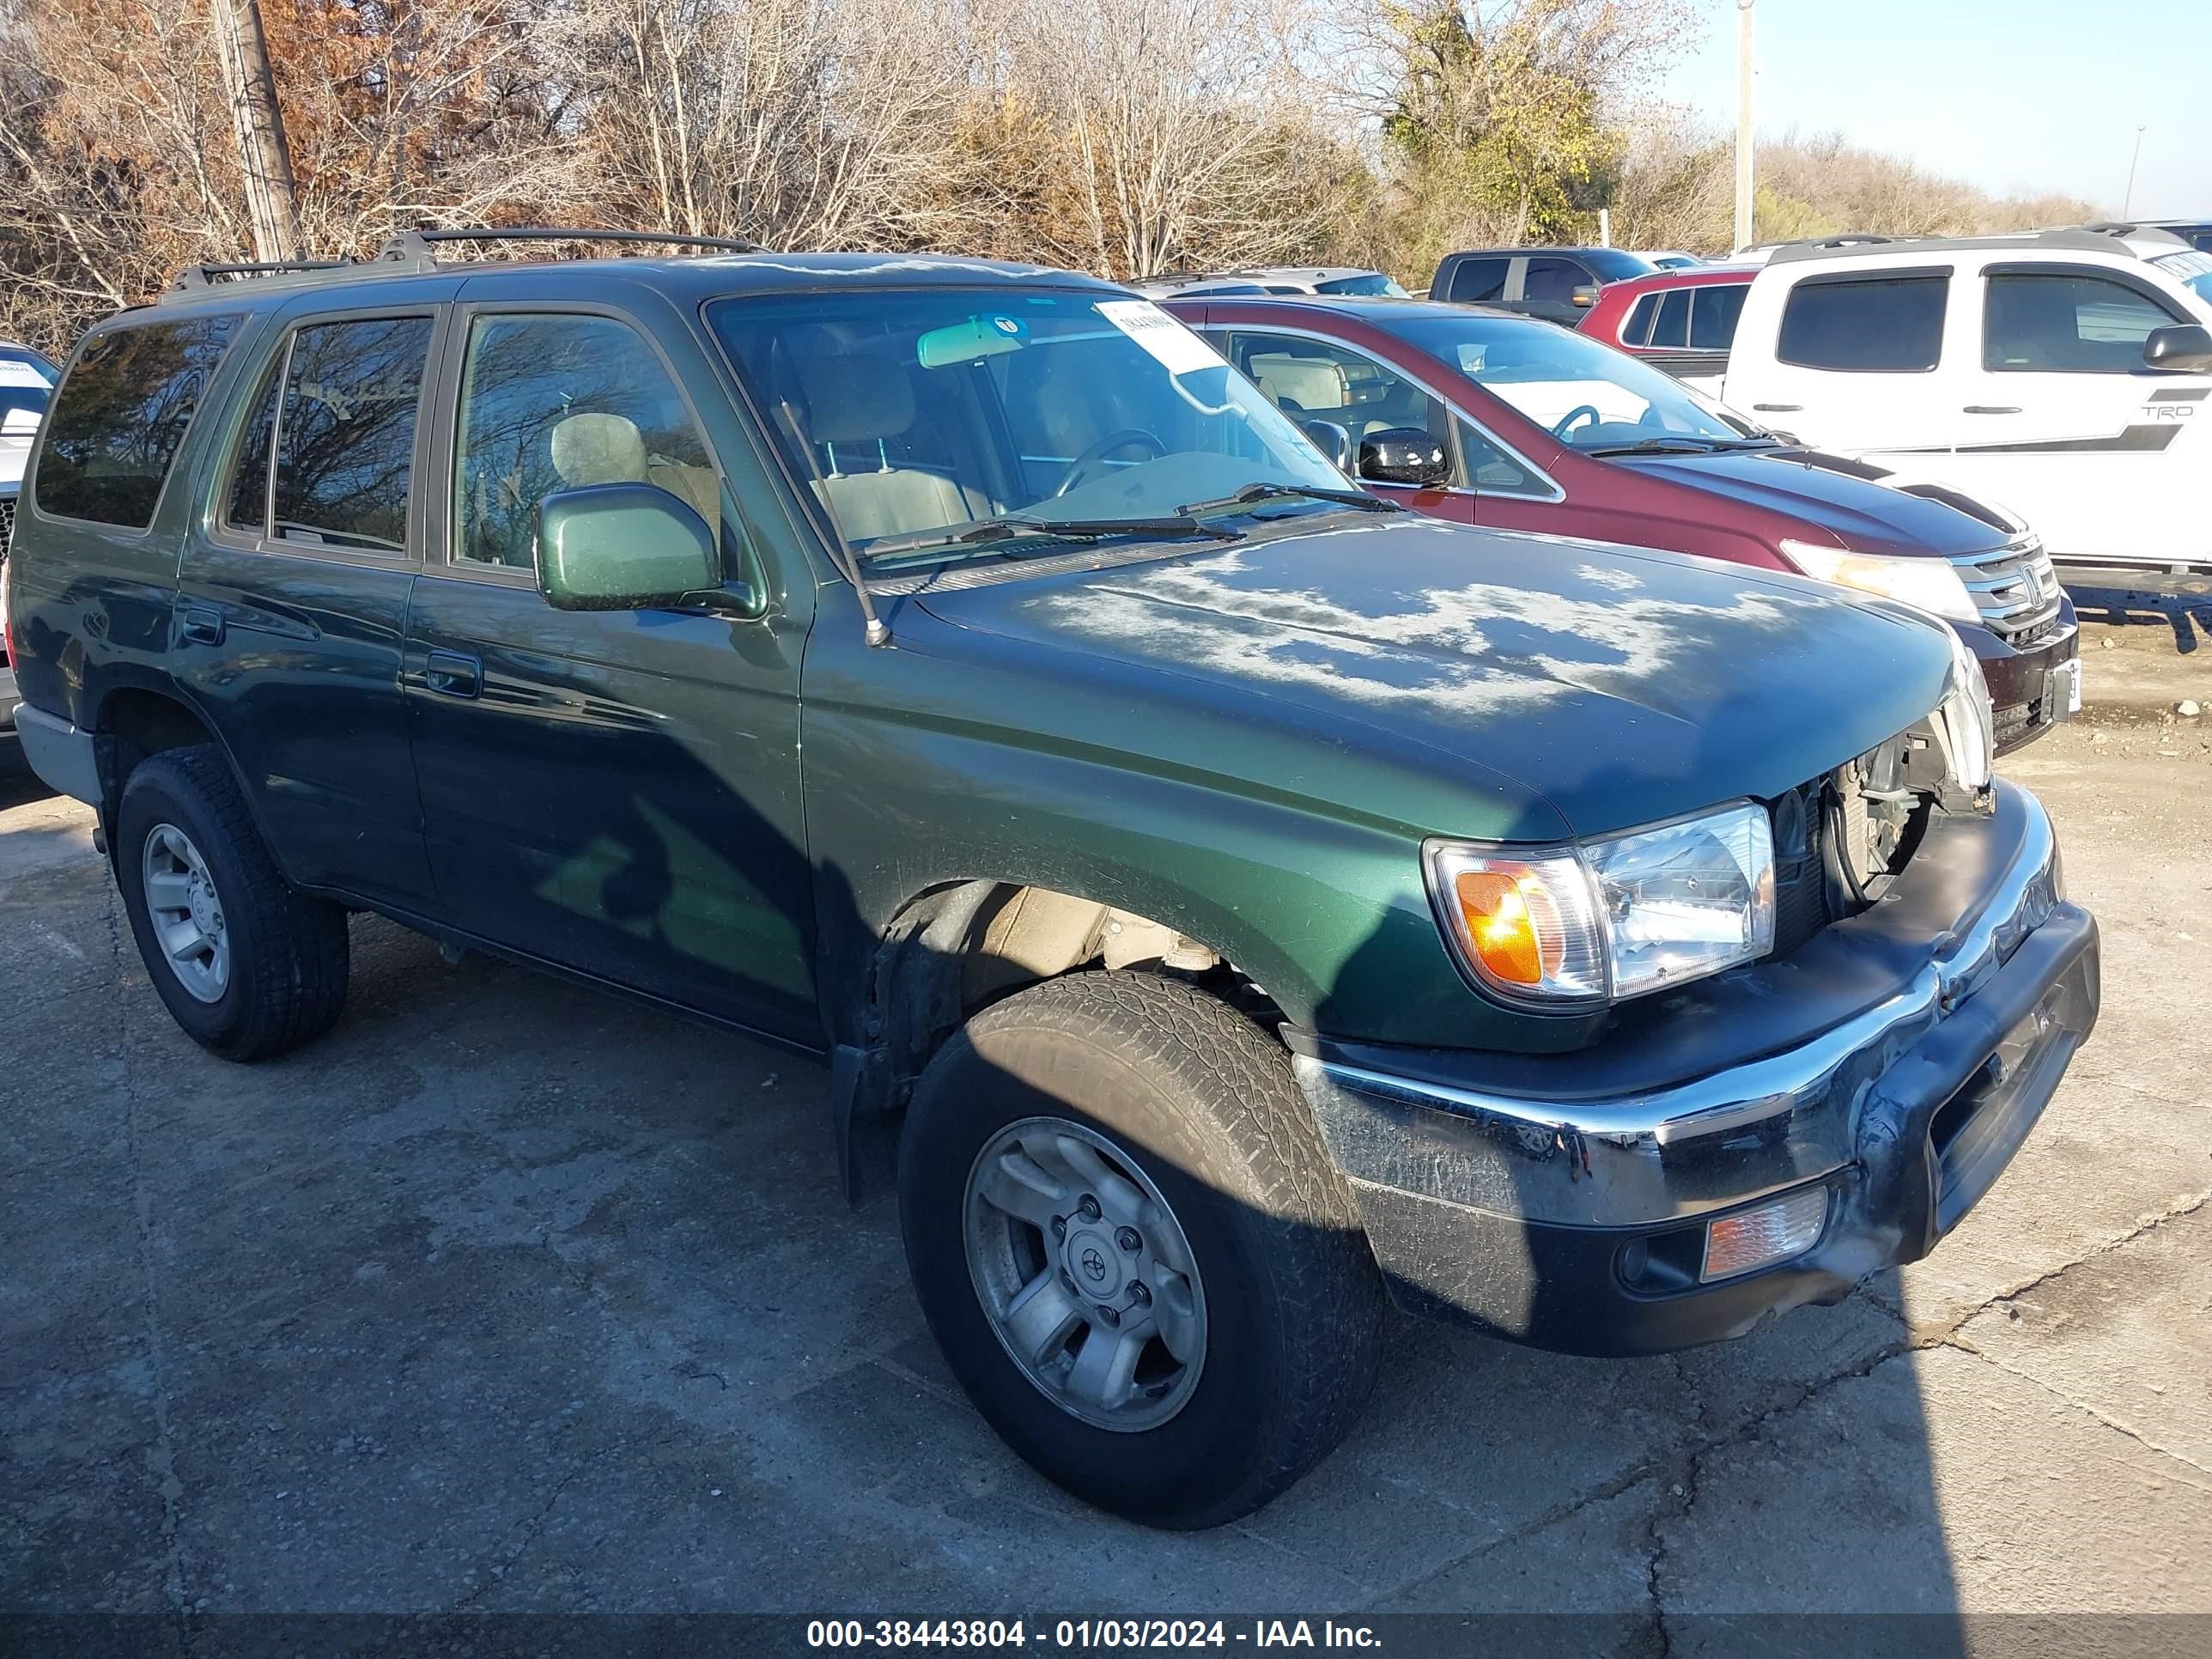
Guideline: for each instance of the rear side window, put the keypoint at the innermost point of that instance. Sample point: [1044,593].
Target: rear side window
[1479,280]
[1713,314]
[1637,329]
[1883,325]
[345,434]
[1672,332]
[2063,324]
[1552,279]
[116,426]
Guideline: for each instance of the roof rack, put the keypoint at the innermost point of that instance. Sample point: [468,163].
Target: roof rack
[2082,240]
[413,251]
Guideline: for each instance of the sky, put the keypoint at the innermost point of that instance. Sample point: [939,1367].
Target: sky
[2020,97]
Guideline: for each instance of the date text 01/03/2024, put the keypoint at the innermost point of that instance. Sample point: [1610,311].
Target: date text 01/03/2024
[1080,1635]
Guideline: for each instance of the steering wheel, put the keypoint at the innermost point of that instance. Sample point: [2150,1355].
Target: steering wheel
[1081,466]
[1576,414]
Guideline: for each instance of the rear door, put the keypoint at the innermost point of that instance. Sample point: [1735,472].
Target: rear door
[1862,359]
[2063,421]
[613,791]
[292,597]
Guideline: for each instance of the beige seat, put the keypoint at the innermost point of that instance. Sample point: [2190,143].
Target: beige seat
[857,401]
[593,448]
[1315,384]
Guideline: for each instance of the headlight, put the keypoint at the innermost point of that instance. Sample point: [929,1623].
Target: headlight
[1612,917]
[1928,582]
[1964,723]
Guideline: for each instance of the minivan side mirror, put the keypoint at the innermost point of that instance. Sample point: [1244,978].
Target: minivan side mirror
[19,422]
[622,547]
[1585,294]
[1404,455]
[2183,347]
[1333,440]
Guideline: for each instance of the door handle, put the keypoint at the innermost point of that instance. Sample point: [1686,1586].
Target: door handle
[1991,409]
[202,626]
[1780,409]
[452,675]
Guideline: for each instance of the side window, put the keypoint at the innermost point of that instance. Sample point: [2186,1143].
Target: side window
[1637,329]
[345,432]
[1672,332]
[120,416]
[1488,467]
[553,401]
[2047,323]
[1553,279]
[1478,280]
[1882,325]
[1713,314]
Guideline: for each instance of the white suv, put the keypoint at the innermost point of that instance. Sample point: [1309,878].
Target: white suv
[2067,373]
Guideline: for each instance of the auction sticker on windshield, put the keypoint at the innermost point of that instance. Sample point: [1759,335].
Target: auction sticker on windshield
[1178,349]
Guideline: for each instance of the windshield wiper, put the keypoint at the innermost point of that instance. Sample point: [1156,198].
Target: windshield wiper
[1685,445]
[1254,493]
[1069,530]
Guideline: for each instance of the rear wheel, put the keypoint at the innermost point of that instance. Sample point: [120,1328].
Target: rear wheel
[1130,1243]
[246,966]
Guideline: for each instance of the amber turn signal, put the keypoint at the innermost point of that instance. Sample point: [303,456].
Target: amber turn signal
[1500,911]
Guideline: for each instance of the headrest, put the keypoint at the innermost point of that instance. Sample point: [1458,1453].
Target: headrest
[854,397]
[597,449]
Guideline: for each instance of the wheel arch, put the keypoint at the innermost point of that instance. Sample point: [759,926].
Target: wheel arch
[892,996]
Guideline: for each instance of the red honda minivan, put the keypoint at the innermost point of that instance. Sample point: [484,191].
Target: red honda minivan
[1491,418]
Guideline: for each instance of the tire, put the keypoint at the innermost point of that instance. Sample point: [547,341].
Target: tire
[285,959]
[1195,1101]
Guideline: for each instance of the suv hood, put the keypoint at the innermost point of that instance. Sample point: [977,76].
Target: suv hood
[1828,491]
[1567,687]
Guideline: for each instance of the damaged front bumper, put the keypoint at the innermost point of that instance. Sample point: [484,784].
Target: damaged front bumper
[1874,1085]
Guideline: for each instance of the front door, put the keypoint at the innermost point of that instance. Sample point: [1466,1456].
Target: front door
[614,792]
[2061,420]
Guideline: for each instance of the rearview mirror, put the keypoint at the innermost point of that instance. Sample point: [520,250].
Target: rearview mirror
[2183,347]
[1585,294]
[1404,455]
[622,547]
[1333,440]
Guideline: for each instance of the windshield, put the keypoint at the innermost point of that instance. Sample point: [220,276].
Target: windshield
[1586,394]
[2192,270]
[919,411]
[1373,285]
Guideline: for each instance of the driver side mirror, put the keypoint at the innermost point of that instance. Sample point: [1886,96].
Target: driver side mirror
[2183,348]
[1333,440]
[1585,296]
[622,547]
[1404,455]
[19,422]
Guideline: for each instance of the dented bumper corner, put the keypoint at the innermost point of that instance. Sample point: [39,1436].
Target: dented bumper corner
[1894,1064]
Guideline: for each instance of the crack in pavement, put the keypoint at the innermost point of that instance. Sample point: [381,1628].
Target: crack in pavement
[2145,1226]
[162,1456]
[1963,1345]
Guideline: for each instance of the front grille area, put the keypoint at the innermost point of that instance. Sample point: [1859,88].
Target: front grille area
[2015,590]
[6,524]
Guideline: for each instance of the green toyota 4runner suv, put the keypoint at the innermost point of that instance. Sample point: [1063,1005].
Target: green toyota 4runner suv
[1221,899]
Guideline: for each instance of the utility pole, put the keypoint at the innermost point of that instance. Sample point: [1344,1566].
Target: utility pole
[1743,197]
[2128,202]
[262,153]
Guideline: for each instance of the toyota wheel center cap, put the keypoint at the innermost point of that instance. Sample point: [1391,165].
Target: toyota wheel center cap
[1093,1262]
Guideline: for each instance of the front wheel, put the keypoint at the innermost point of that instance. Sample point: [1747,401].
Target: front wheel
[1129,1241]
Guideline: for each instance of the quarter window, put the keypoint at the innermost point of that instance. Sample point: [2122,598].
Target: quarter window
[2064,324]
[119,418]
[1637,331]
[245,504]
[345,435]
[552,403]
[1883,325]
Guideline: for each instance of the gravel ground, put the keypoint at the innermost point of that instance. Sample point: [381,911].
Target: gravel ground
[507,1296]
